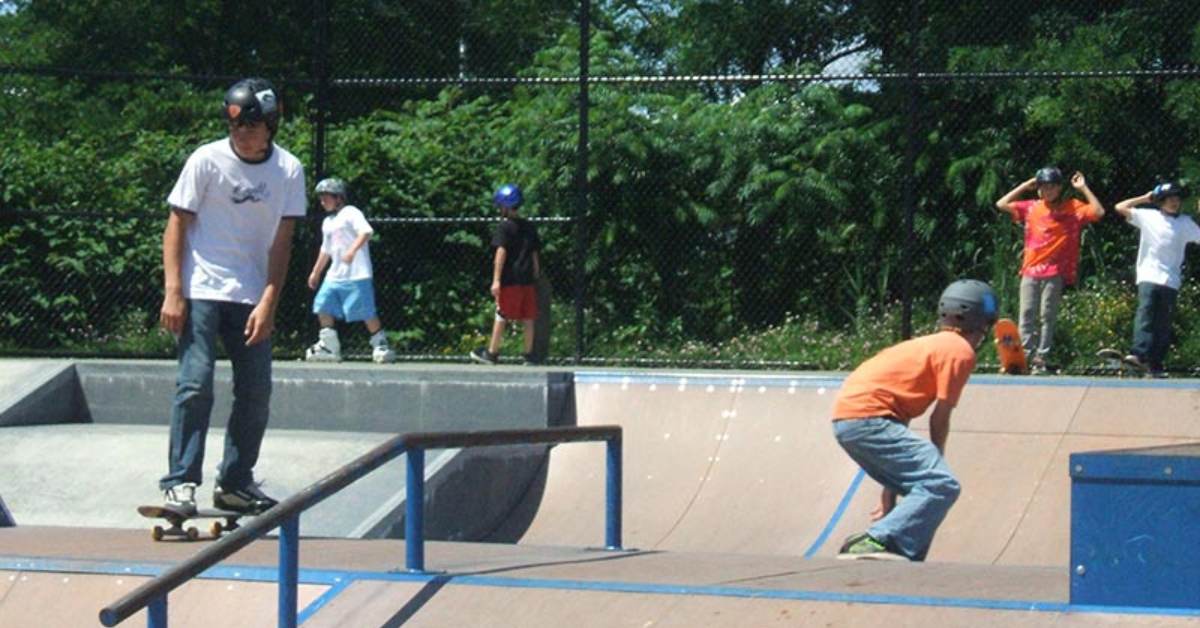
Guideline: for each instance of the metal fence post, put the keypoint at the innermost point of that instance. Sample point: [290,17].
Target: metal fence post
[612,494]
[581,173]
[321,102]
[156,612]
[911,119]
[414,511]
[289,570]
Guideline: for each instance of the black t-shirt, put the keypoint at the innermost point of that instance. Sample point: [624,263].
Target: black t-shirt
[520,241]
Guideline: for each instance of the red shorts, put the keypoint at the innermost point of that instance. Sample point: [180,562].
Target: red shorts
[517,303]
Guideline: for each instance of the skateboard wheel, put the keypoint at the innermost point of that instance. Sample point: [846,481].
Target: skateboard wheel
[156,533]
[193,534]
[215,529]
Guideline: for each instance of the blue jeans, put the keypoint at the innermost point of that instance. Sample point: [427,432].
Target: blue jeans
[911,467]
[192,407]
[1152,325]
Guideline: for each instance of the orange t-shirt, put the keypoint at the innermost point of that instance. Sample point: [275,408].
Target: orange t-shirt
[1052,238]
[903,380]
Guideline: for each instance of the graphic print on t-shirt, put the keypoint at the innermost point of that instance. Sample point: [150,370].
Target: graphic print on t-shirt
[242,193]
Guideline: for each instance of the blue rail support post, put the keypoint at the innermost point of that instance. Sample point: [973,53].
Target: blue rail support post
[414,511]
[612,493]
[156,612]
[289,570]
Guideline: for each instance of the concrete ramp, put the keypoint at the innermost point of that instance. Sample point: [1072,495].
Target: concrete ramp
[748,464]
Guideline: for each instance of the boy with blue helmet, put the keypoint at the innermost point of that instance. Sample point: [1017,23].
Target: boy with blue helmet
[1164,239]
[516,267]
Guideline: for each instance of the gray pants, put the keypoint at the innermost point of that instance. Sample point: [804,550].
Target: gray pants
[1040,299]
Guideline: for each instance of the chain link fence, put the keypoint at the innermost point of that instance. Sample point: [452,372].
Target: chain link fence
[771,183]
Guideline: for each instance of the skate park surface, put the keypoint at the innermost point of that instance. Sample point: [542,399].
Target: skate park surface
[736,498]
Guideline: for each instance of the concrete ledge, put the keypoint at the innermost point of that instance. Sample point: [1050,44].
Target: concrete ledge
[347,397]
[41,392]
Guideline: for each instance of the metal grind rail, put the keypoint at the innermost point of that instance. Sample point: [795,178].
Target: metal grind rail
[286,515]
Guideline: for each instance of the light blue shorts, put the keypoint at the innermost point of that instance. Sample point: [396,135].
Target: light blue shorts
[349,301]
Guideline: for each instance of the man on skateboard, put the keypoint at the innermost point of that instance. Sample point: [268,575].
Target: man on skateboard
[225,257]
[872,412]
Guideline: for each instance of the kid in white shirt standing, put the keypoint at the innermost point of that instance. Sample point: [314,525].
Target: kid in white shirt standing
[348,292]
[1165,236]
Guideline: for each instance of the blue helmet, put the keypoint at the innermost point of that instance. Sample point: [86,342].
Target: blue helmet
[508,196]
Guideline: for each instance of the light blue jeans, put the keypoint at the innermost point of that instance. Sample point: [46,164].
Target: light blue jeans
[911,467]
[190,412]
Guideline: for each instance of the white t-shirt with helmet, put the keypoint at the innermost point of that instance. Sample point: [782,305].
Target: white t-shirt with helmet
[1163,242]
[237,207]
[339,230]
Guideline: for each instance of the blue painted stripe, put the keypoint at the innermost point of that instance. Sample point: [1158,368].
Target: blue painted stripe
[837,514]
[322,600]
[835,380]
[336,577]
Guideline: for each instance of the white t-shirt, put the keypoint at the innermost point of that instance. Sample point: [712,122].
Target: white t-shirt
[238,207]
[339,230]
[1164,238]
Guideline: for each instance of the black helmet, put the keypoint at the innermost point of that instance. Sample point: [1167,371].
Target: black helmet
[1163,190]
[967,304]
[252,100]
[1049,174]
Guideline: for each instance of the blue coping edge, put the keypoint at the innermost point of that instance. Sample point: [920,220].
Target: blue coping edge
[801,380]
[837,514]
[339,580]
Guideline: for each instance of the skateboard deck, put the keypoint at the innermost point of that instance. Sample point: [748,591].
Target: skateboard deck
[1115,361]
[1009,348]
[541,325]
[177,519]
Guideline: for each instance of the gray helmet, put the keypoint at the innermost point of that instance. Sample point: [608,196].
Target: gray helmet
[968,304]
[332,185]
[1049,174]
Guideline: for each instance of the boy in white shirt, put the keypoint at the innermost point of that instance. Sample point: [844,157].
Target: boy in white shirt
[1165,236]
[225,250]
[348,292]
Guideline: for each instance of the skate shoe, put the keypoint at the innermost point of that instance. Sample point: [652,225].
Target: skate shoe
[864,547]
[319,352]
[248,499]
[181,497]
[381,353]
[482,355]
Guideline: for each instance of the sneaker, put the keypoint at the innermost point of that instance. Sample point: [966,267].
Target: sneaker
[319,352]
[181,497]
[531,360]
[1133,360]
[864,547]
[1157,374]
[1037,366]
[249,499]
[484,356]
[383,355]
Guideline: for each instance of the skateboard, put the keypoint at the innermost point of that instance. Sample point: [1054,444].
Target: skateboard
[541,325]
[176,519]
[1009,348]
[1114,361]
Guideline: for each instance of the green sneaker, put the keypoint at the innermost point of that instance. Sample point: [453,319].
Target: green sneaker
[864,547]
